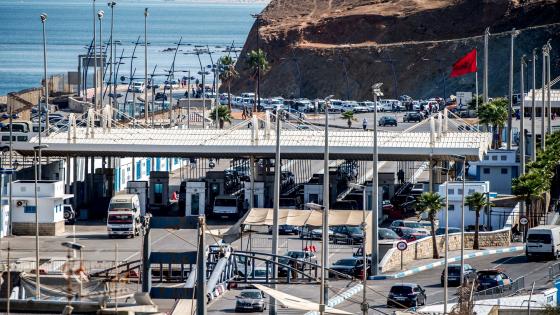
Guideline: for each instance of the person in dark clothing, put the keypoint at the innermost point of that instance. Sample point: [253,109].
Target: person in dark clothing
[400,176]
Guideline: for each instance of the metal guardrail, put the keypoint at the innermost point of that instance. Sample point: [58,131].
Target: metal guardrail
[501,291]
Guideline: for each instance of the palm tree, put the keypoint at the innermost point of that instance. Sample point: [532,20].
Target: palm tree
[532,187]
[224,115]
[431,202]
[477,201]
[227,74]
[494,114]
[256,60]
[349,116]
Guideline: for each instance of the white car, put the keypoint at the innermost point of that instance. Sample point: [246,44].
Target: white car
[336,106]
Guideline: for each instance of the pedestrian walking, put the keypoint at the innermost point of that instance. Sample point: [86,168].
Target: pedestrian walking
[364,124]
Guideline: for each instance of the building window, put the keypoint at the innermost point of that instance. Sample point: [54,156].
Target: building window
[471,191]
[29,209]
[451,207]
[503,157]
[486,158]
[504,170]
[450,191]
[494,157]
[459,191]
[486,170]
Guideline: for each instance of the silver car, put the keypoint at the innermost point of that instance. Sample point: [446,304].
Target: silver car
[250,300]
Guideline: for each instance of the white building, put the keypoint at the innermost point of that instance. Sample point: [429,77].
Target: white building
[499,168]
[50,199]
[455,190]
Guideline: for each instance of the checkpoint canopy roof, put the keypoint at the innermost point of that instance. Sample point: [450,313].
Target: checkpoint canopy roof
[239,143]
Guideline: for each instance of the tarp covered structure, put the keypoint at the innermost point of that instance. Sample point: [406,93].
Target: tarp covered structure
[311,218]
[295,302]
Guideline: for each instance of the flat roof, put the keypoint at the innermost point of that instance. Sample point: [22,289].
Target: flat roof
[237,143]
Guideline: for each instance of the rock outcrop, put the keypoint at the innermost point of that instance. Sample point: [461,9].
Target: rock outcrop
[341,47]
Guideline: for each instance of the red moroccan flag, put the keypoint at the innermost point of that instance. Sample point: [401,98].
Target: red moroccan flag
[466,64]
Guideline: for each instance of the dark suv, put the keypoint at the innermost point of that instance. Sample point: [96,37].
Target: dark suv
[412,117]
[454,274]
[347,234]
[388,121]
[406,295]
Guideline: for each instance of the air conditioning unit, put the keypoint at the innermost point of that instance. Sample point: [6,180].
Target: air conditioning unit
[21,203]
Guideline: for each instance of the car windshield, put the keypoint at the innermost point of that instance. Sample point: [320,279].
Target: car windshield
[120,205]
[345,262]
[251,295]
[539,238]
[401,289]
[454,270]
[413,225]
[354,230]
[387,234]
[228,202]
[296,254]
[487,276]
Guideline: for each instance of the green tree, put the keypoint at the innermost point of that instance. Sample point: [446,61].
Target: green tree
[472,103]
[224,115]
[349,116]
[431,203]
[477,201]
[494,114]
[227,74]
[532,187]
[258,65]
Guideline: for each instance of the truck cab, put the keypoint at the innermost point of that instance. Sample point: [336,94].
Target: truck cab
[227,206]
[123,217]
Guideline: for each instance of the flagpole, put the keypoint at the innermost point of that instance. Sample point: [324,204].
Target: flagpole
[476,89]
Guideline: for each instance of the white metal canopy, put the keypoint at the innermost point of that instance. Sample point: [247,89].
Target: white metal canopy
[295,144]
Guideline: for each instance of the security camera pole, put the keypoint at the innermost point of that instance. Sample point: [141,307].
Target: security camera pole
[376,89]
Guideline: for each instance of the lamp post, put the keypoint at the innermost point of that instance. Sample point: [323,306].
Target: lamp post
[114,99]
[323,297]
[549,50]
[446,248]
[523,63]
[543,106]
[146,65]
[464,161]
[277,171]
[94,58]
[514,34]
[376,90]
[36,149]
[99,104]
[46,98]
[485,79]
[533,109]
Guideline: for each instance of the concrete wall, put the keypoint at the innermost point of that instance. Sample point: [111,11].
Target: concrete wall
[78,106]
[45,229]
[422,249]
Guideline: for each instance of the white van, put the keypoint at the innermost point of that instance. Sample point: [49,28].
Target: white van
[123,216]
[226,205]
[543,240]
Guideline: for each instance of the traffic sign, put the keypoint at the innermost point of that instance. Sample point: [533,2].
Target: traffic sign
[523,220]
[402,245]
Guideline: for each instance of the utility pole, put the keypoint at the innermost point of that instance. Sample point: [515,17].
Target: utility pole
[485,82]
[201,269]
[275,210]
[523,63]
[99,100]
[543,106]
[549,50]
[376,89]
[514,33]
[111,55]
[40,111]
[94,59]
[533,109]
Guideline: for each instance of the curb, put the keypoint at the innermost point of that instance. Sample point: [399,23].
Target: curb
[341,297]
[449,260]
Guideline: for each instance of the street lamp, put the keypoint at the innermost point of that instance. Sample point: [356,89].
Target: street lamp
[276,209]
[99,100]
[376,90]
[446,248]
[112,57]
[37,278]
[545,52]
[94,57]
[464,161]
[146,65]
[533,109]
[46,98]
[323,297]
[514,34]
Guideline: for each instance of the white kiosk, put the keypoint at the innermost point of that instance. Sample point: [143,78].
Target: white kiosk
[195,198]
[258,197]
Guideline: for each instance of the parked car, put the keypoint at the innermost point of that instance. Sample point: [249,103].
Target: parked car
[387,234]
[492,278]
[347,234]
[353,266]
[406,223]
[316,234]
[441,230]
[250,300]
[387,121]
[297,259]
[413,117]
[284,229]
[543,241]
[406,295]
[454,274]
[160,96]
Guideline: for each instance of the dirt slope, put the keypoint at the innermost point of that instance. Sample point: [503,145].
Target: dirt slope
[317,47]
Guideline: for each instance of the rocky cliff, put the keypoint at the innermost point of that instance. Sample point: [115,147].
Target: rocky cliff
[321,47]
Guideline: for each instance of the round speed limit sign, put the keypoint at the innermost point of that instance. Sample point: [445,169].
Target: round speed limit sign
[523,220]
[402,245]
